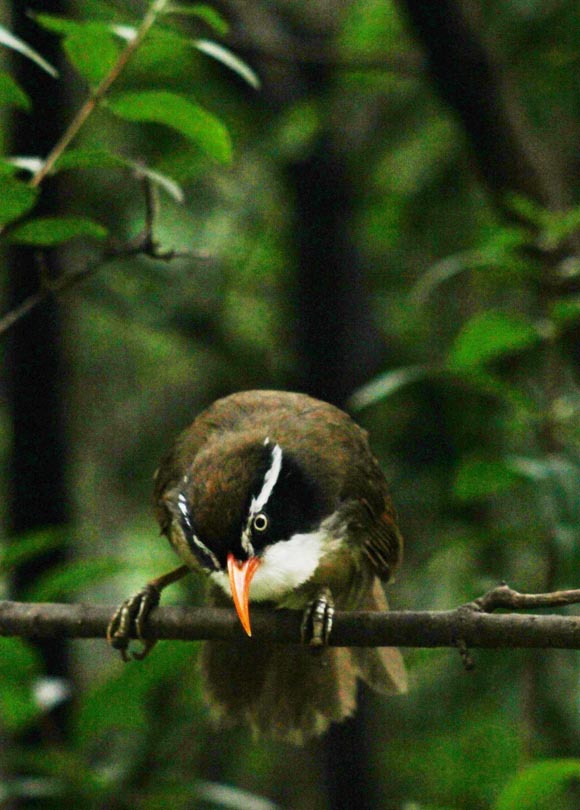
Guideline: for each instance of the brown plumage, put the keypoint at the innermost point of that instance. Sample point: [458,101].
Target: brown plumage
[308,471]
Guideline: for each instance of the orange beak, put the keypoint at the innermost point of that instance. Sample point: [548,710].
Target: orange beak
[241,574]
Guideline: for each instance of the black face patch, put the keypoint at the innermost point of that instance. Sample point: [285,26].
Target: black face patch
[296,504]
[216,521]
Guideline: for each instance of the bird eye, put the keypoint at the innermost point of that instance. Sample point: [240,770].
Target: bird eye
[260,522]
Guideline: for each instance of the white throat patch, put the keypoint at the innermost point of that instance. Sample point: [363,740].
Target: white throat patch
[285,565]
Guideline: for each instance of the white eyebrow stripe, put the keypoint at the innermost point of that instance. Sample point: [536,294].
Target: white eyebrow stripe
[190,536]
[183,507]
[270,480]
[205,551]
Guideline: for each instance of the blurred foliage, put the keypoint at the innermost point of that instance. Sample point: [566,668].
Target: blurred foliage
[475,413]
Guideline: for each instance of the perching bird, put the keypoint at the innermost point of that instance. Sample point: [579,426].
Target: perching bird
[277,498]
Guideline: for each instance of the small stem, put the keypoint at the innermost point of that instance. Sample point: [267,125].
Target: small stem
[141,245]
[99,93]
[504,597]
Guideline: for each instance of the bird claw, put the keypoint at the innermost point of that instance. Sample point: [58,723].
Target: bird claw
[132,614]
[317,620]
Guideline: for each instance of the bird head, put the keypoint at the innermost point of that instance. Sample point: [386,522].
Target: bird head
[251,514]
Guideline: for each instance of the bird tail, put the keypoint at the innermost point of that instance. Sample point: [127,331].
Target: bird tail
[293,693]
[285,692]
[382,668]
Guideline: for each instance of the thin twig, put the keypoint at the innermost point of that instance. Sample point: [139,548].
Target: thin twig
[68,280]
[143,244]
[99,93]
[505,597]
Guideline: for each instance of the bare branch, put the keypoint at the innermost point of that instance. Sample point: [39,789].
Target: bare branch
[505,597]
[468,626]
[143,244]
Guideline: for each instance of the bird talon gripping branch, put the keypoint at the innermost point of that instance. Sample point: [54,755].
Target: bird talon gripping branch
[317,620]
[130,618]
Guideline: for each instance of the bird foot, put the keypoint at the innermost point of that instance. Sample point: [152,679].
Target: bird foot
[132,615]
[317,620]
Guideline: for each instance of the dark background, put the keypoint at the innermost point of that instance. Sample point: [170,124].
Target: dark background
[397,234]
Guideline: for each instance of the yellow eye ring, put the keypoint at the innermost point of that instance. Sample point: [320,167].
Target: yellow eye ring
[260,522]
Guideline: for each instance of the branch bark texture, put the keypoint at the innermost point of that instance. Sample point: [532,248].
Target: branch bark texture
[466,626]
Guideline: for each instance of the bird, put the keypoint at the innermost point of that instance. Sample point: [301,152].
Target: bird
[277,498]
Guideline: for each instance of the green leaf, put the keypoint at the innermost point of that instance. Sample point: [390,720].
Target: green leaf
[126,695]
[93,50]
[386,384]
[372,27]
[560,225]
[90,46]
[229,59]
[440,272]
[19,665]
[104,10]
[91,158]
[18,657]
[499,250]
[56,24]
[479,478]
[65,581]
[11,94]
[88,158]
[565,312]
[51,231]
[527,209]
[22,549]
[206,13]
[184,164]
[488,336]
[539,785]
[16,44]
[164,54]
[177,112]
[68,775]
[297,129]
[16,198]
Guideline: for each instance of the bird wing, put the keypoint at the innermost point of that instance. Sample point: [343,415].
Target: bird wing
[381,539]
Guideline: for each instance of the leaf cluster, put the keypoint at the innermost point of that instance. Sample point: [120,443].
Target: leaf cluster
[106,52]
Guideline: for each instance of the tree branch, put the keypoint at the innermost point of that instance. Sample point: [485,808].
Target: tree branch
[470,625]
[143,244]
[96,97]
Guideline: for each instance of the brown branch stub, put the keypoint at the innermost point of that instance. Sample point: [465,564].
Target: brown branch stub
[505,597]
[465,655]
